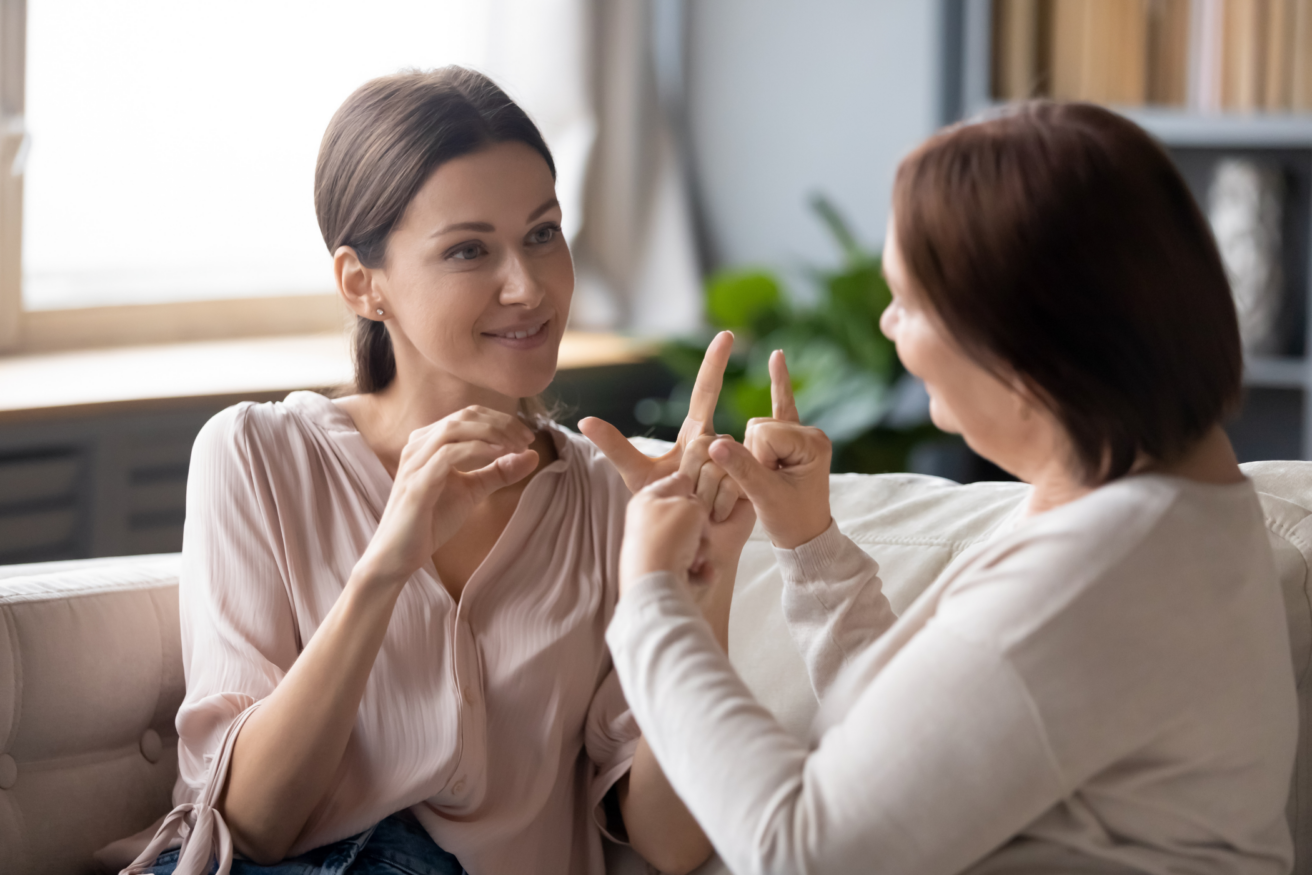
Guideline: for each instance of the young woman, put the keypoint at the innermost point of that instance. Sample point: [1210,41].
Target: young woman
[393,603]
[1106,686]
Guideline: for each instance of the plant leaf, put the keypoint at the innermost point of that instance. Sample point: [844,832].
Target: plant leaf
[748,300]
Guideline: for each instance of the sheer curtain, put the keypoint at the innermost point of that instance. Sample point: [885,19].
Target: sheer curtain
[586,71]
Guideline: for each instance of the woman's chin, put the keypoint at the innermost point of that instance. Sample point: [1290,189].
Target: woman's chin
[942,419]
[527,385]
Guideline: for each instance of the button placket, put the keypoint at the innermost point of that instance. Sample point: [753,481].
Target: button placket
[467,676]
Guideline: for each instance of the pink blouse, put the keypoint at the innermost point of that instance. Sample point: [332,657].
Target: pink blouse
[497,720]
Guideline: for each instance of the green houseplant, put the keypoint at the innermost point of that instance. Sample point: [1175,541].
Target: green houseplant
[846,375]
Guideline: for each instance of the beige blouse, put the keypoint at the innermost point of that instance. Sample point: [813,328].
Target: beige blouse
[497,720]
[1105,688]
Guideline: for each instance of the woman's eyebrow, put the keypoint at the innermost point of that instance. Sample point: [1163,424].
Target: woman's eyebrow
[487,227]
[542,209]
[484,227]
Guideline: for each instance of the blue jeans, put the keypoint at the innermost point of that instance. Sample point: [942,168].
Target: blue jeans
[396,846]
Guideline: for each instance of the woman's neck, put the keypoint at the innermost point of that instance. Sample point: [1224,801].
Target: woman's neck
[1211,460]
[387,418]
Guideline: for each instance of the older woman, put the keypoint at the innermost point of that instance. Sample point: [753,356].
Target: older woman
[1099,688]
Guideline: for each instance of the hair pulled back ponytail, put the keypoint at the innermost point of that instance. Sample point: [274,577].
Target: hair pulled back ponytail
[380,147]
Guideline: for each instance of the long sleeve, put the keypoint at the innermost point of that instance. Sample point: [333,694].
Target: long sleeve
[833,603]
[905,783]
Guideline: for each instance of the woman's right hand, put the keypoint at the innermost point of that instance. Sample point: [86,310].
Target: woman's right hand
[782,466]
[446,469]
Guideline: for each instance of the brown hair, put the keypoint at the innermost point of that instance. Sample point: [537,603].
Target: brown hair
[380,147]
[1057,242]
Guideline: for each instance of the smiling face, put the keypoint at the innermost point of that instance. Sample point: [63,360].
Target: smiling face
[997,419]
[477,280]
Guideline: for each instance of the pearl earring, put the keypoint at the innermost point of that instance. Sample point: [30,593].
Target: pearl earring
[379,311]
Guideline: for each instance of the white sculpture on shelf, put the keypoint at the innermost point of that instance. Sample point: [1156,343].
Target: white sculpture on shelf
[1245,204]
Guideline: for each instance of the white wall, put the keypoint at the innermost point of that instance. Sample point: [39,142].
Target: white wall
[789,97]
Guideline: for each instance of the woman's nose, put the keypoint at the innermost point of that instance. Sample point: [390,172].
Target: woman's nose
[888,322]
[521,286]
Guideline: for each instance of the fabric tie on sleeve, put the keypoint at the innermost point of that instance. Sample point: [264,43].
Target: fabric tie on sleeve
[202,829]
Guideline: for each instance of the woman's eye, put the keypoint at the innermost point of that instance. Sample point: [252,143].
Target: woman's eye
[545,234]
[468,252]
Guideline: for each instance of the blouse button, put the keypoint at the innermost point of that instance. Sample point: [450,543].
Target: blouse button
[471,694]
[459,787]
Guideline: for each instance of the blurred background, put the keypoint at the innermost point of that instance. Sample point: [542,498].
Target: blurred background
[723,164]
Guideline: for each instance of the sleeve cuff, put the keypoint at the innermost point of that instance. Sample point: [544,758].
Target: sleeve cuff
[813,561]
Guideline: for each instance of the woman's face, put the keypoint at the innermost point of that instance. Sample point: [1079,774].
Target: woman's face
[478,277]
[997,420]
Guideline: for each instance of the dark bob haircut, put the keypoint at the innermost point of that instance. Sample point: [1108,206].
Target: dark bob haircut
[1058,243]
[380,147]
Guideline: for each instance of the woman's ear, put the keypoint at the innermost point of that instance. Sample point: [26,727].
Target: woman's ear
[355,283]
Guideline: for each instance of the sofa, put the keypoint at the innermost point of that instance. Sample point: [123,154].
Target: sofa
[91,676]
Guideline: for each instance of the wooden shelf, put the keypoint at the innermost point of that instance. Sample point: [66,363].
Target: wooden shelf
[1230,130]
[1225,130]
[124,379]
[1276,372]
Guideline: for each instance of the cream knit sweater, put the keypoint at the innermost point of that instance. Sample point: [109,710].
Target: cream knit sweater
[1091,691]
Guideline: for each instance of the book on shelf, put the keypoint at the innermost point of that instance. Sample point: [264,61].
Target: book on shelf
[1206,55]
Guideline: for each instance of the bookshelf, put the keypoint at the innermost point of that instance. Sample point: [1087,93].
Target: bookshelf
[1276,418]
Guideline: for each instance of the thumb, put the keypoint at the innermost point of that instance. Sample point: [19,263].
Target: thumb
[742,467]
[502,472]
[627,459]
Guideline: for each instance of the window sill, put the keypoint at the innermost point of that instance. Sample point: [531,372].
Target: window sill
[209,373]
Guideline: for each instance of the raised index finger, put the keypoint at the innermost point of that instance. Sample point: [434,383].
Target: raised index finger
[781,389]
[710,379]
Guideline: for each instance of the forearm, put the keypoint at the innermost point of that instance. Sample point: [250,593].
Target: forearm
[833,603]
[288,751]
[880,786]
[659,825]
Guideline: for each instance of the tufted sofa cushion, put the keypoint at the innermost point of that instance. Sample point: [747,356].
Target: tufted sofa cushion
[90,668]
[90,679]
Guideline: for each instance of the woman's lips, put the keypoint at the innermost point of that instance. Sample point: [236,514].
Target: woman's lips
[528,337]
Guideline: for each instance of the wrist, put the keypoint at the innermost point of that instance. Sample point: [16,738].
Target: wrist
[372,575]
[795,536]
[633,578]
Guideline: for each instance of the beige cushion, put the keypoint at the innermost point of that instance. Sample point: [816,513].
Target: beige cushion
[90,679]
[89,658]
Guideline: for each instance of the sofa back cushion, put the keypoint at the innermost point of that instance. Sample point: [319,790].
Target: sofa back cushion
[90,680]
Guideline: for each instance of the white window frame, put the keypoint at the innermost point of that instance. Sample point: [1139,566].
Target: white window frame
[41,330]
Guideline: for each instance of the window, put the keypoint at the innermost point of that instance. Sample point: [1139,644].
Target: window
[158,157]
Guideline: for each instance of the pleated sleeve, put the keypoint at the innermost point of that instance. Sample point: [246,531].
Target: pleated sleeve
[238,632]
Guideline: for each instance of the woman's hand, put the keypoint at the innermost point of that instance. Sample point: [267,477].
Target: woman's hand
[446,469]
[667,528]
[286,755]
[782,466]
[690,454]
